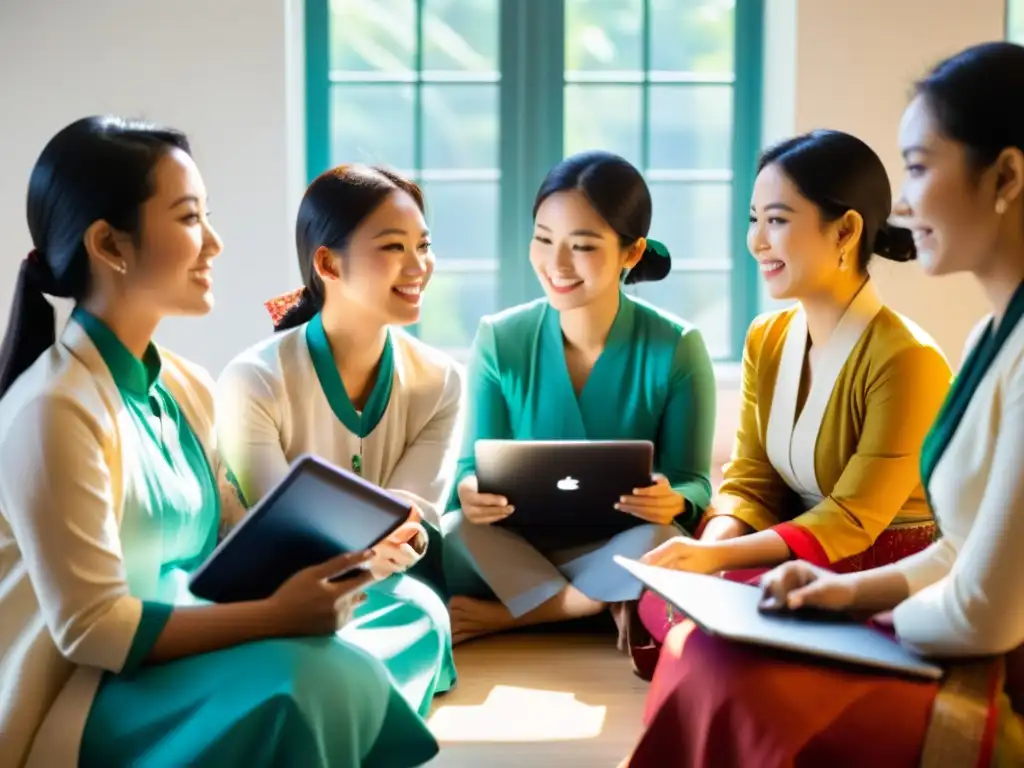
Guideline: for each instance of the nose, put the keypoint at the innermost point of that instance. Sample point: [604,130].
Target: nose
[417,262]
[563,256]
[212,244]
[902,209]
[756,239]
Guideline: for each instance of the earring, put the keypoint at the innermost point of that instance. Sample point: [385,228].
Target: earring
[1001,206]
[121,268]
[842,259]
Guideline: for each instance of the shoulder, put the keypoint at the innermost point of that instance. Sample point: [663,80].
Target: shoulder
[426,365]
[57,398]
[898,340]
[767,331]
[261,369]
[663,330]
[515,321]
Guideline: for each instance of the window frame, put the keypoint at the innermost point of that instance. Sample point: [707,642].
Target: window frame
[531,127]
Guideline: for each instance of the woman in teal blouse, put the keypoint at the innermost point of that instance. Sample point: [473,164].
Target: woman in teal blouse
[587,362]
[112,494]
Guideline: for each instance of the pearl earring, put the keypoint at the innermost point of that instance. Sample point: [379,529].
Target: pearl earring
[1001,206]
[121,268]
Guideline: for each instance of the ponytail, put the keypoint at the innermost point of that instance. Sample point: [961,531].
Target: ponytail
[293,309]
[32,327]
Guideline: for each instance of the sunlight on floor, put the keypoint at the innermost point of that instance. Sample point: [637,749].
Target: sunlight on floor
[511,714]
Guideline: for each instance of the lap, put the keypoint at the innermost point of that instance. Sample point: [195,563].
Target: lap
[219,703]
[769,708]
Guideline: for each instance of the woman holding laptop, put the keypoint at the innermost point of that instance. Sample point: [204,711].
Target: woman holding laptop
[341,380]
[838,390]
[112,493]
[588,362]
[962,140]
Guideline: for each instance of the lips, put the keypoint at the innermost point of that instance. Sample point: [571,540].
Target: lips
[203,276]
[411,293]
[564,284]
[771,267]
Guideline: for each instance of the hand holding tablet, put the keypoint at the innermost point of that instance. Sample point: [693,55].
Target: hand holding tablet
[317,513]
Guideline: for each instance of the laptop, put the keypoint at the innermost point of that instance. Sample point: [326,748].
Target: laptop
[565,486]
[729,609]
[318,511]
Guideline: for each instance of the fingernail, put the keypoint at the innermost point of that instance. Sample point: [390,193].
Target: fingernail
[504,501]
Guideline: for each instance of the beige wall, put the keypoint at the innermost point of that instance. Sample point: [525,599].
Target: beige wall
[856,63]
[850,65]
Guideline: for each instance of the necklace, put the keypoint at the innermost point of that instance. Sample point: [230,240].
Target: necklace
[357,460]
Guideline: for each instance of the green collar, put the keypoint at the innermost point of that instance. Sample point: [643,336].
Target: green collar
[621,331]
[334,388]
[131,375]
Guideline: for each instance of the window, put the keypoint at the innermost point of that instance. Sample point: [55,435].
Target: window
[477,99]
[1015,21]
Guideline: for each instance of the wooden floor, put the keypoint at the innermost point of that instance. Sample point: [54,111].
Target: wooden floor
[539,700]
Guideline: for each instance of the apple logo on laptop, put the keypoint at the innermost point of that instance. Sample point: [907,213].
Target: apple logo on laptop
[568,483]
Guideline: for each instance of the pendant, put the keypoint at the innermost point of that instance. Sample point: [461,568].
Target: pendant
[357,464]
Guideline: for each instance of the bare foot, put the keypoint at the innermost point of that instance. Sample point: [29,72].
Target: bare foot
[473,618]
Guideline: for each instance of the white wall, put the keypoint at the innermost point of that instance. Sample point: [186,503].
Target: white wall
[228,72]
[856,63]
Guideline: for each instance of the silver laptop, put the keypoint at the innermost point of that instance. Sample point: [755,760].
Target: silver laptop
[730,609]
[565,485]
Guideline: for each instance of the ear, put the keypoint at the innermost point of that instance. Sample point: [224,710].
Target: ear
[635,252]
[326,264]
[104,245]
[1009,168]
[850,228]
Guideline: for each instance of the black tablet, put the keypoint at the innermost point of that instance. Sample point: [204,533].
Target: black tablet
[316,512]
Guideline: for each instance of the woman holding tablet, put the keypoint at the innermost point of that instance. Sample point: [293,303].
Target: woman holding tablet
[341,380]
[962,140]
[838,391]
[588,362]
[111,494]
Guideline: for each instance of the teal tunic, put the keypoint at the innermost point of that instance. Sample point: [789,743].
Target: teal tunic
[653,381]
[292,702]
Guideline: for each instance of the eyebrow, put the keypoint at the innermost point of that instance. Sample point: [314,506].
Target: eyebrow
[185,199]
[395,231]
[575,232]
[914,148]
[775,207]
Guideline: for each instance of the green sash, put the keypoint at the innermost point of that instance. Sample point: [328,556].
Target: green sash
[965,384]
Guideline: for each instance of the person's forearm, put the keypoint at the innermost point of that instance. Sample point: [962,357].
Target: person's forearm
[763,549]
[878,590]
[724,527]
[192,630]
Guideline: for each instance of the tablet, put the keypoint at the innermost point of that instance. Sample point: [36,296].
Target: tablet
[565,484]
[730,609]
[318,511]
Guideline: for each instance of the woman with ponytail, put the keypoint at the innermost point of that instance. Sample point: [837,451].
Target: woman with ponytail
[838,390]
[112,493]
[342,380]
[587,362]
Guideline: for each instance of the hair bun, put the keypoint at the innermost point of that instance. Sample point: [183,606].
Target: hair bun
[895,243]
[654,265]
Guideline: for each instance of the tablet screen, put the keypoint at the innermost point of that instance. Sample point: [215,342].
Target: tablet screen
[317,512]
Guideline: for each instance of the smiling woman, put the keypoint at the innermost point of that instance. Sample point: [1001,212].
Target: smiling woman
[587,362]
[340,379]
[838,391]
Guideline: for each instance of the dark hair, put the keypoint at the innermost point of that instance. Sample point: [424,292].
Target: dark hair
[619,194]
[840,173]
[97,168]
[333,207]
[977,99]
